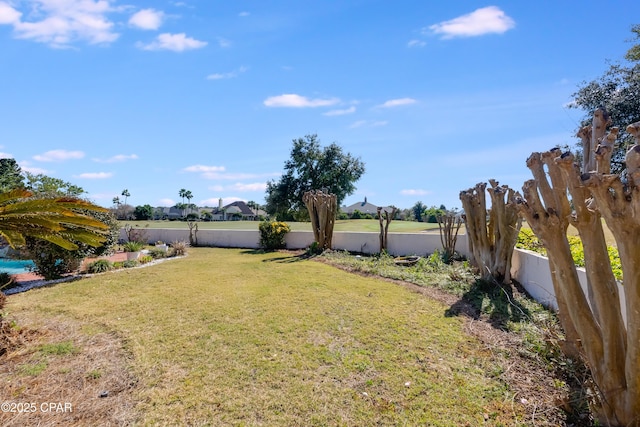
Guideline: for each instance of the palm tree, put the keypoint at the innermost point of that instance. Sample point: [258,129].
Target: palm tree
[55,220]
[189,196]
[182,193]
[126,194]
[125,211]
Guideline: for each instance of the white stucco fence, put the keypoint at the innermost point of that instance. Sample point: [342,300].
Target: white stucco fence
[528,268]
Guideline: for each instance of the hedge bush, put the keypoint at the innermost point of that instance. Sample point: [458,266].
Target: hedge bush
[272,234]
[528,240]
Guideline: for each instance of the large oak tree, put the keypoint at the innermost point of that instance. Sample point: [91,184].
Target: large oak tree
[312,167]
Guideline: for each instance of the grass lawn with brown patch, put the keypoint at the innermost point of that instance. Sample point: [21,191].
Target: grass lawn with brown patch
[236,337]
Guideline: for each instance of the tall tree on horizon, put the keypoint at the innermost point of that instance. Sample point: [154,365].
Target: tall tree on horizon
[10,175]
[312,167]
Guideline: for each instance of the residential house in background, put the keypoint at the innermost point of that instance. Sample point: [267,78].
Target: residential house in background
[363,207]
[236,211]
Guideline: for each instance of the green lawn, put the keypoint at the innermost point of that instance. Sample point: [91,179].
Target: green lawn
[236,337]
[341,225]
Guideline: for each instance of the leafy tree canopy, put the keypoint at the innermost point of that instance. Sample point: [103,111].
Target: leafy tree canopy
[617,92]
[312,167]
[10,175]
[143,212]
[45,186]
[418,210]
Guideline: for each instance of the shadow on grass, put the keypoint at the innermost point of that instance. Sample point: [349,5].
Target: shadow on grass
[285,258]
[495,301]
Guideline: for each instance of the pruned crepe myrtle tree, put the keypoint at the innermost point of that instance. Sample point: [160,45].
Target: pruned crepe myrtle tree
[384,218]
[322,209]
[492,236]
[449,225]
[593,321]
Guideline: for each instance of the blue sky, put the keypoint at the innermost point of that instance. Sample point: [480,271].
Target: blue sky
[155,96]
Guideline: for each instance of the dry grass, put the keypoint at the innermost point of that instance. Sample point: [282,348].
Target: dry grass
[229,337]
[70,366]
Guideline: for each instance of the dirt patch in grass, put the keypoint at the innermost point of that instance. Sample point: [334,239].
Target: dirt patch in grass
[548,397]
[60,374]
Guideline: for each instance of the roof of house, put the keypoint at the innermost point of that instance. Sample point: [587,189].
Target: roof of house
[236,207]
[364,207]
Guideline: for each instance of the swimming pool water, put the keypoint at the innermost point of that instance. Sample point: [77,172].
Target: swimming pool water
[15,266]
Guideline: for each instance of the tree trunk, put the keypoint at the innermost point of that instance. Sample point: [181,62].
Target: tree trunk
[611,349]
[385,217]
[449,225]
[492,242]
[322,209]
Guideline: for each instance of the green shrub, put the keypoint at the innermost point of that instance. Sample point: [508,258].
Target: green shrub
[272,234]
[51,261]
[100,266]
[130,263]
[144,259]
[118,265]
[314,249]
[157,253]
[133,246]
[528,240]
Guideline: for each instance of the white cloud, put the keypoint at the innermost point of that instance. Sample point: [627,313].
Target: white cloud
[117,158]
[147,19]
[203,168]
[33,170]
[415,192]
[416,43]
[218,173]
[5,155]
[349,110]
[241,187]
[224,42]
[8,15]
[296,101]
[368,123]
[397,102]
[243,14]
[94,175]
[235,176]
[486,20]
[256,186]
[166,203]
[58,156]
[175,42]
[229,75]
[59,23]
